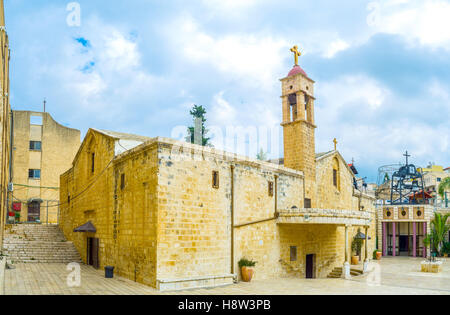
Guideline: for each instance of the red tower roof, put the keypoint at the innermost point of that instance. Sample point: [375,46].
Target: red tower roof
[297,70]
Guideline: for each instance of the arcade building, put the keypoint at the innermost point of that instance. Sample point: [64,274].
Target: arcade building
[405,222]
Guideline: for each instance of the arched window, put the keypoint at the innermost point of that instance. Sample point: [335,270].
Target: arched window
[336,174]
[91,157]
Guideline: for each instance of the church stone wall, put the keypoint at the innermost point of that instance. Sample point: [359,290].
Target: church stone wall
[168,227]
[125,215]
[331,197]
[194,239]
[345,197]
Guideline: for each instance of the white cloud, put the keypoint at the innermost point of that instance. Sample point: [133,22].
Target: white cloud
[230,9]
[438,90]
[229,5]
[425,21]
[250,58]
[374,126]
[222,112]
[352,89]
[335,47]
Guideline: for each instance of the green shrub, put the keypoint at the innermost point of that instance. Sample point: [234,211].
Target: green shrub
[375,253]
[446,248]
[246,263]
[357,246]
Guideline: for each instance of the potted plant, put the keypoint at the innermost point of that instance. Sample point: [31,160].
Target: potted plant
[356,248]
[446,249]
[247,270]
[377,254]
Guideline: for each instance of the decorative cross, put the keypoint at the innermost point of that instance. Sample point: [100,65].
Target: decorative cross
[335,144]
[407,156]
[296,54]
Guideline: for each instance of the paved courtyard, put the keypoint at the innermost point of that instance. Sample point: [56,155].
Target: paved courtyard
[391,276]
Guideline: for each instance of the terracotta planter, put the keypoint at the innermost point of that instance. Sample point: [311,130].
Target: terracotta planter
[247,273]
[379,255]
[355,260]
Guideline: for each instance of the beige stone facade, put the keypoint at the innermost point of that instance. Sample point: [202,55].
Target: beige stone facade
[5,112]
[174,215]
[43,150]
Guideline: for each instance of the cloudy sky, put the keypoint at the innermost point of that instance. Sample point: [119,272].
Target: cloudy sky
[382,69]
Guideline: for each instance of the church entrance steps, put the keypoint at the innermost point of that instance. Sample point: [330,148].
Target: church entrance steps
[33,243]
[337,273]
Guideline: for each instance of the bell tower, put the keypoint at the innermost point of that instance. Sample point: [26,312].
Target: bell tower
[298,126]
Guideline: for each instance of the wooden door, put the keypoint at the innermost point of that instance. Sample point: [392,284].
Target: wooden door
[34,211]
[95,248]
[93,245]
[310,267]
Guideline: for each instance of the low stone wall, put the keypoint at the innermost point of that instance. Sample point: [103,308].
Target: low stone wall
[2,275]
[324,216]
[432,267]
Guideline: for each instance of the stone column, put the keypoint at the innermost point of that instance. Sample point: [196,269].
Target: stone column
[366,262]
[385,238]
[414,239]
[346,268]
[425,232]
[394,239]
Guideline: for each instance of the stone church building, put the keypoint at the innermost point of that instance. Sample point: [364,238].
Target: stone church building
[174,215]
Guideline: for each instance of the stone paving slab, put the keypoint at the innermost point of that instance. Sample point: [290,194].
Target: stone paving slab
[396,276]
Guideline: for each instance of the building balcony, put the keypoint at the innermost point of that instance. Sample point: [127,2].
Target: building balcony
[325,216]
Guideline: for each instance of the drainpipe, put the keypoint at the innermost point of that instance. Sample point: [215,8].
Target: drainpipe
[232,219]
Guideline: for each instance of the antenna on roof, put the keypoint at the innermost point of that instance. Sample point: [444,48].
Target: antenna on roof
[45,103]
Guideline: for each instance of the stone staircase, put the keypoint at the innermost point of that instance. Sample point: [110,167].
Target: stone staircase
[35,243]
[337,273]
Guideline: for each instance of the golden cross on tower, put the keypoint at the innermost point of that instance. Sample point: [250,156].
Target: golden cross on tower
[296,54]
[335,144]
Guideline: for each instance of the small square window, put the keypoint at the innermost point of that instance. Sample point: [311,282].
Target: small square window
[215,179]
[270,189]
[34,174]
[293,253]
[36,120]
[36,145]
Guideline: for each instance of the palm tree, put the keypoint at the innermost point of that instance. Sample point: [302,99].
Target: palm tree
[439,230]
[445,185]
